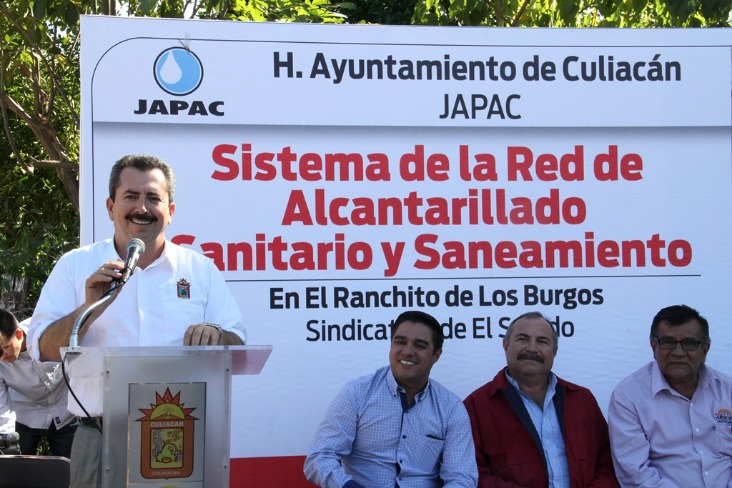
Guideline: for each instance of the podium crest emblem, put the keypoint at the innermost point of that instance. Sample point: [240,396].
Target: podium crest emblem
[167,436]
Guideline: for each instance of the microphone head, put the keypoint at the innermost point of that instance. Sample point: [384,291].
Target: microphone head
[11,437]
[10,441]
[135,243]
[135,249]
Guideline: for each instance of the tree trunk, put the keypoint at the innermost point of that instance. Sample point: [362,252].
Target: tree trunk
[13,296]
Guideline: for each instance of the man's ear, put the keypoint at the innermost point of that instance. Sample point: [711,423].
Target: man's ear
[110,206]
[19,334]
[437,354]
[171,210]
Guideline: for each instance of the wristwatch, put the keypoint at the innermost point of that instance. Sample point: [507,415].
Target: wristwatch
[218,329]
[215,326]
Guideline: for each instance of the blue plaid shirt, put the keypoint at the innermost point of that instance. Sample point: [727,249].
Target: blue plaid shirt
[367,433]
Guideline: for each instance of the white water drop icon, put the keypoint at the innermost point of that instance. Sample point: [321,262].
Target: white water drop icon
[177,71]
[170,72]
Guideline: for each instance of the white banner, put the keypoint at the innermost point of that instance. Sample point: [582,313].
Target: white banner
[339,175]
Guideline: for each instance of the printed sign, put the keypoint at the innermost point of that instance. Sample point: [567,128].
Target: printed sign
[339,175]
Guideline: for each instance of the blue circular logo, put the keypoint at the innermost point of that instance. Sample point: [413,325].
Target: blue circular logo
[178,71]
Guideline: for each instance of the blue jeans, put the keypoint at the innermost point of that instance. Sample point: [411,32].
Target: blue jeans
[58,440]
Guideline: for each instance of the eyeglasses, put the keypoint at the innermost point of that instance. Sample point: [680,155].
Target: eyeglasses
[669,343]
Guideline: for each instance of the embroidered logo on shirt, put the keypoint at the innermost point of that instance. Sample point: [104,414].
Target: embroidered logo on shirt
[184,289]
[724,416]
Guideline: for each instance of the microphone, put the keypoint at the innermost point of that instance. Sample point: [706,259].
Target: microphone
[9,443]
[135,249]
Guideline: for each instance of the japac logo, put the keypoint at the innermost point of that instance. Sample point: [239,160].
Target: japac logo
[178,71]
[166,445]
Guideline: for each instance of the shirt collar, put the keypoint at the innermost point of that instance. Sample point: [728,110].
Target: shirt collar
[659,383]
[168,254]
[394,388]
[552,382]
[550,390]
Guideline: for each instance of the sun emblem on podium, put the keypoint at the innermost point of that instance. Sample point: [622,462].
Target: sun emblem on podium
[167,438]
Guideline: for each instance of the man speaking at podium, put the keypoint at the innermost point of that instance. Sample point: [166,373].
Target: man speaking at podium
[175,296]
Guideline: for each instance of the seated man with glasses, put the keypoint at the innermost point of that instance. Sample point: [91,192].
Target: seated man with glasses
[670,422]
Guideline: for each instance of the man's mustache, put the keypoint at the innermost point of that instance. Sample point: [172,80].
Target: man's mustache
[531,356]
[146,217]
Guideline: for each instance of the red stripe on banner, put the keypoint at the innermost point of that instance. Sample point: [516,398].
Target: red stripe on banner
[269,472]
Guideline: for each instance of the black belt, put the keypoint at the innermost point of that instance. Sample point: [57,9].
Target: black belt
[93,422]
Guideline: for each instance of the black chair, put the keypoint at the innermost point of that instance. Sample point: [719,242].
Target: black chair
[34,472]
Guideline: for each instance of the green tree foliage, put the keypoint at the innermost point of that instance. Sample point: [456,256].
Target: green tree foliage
[37,225]
[39,87]
[574,13]
[313,11]
[39,99]
[387,12]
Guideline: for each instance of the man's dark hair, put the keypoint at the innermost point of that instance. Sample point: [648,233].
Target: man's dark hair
[438,337]
[533,315]
[8,323]
[141,162]
[678,315]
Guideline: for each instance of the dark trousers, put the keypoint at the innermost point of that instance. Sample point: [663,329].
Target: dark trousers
[58,440]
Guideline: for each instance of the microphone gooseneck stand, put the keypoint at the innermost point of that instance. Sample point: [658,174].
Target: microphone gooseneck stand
[73,349]
[83,316]
[135,248]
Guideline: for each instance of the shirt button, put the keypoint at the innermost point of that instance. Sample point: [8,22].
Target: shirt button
[404,437]
[696,430]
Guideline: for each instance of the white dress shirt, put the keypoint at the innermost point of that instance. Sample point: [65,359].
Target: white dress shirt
[154,308]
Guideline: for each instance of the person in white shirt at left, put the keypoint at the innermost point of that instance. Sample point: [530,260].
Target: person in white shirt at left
[36,392]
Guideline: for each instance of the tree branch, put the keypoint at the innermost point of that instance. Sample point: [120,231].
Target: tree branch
[55,164]
[49,139]
[39,55]
[6,125]
[520,12]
